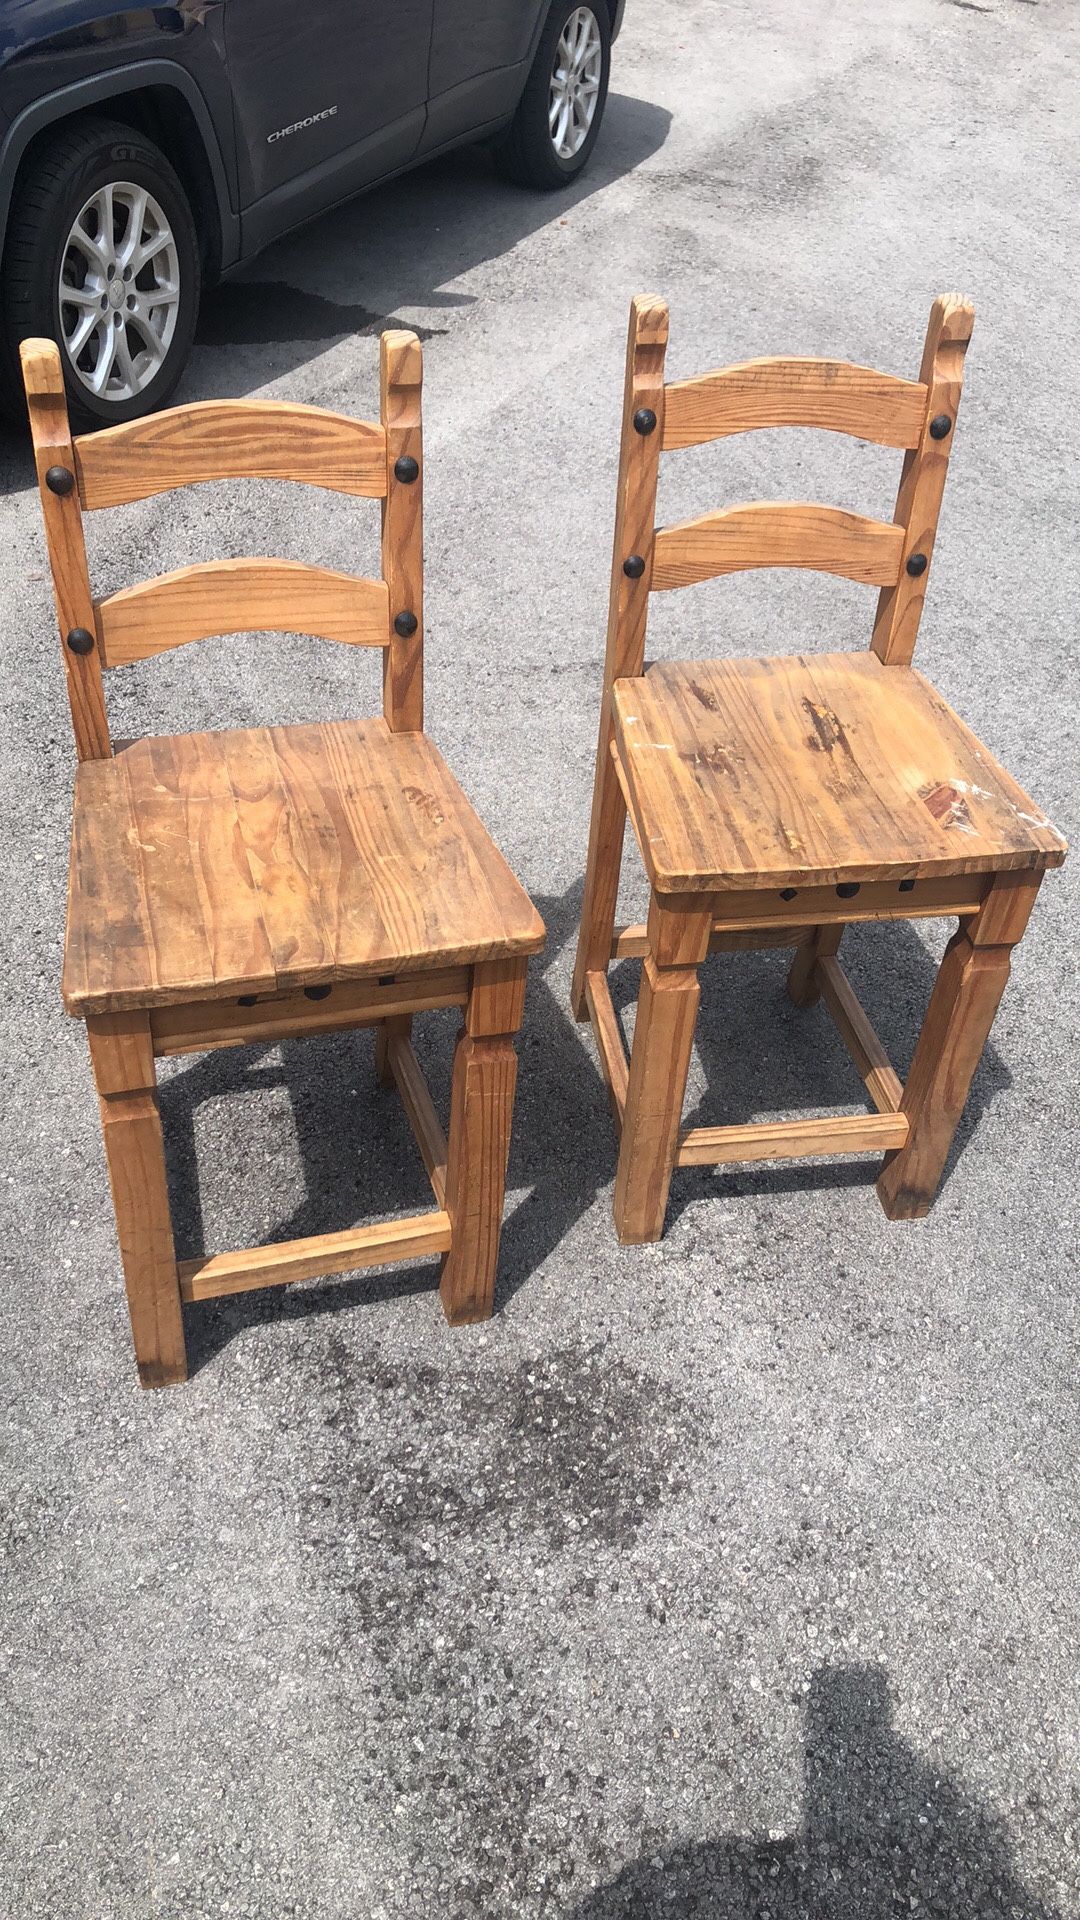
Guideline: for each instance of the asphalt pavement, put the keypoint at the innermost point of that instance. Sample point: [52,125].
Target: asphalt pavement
[730,1577]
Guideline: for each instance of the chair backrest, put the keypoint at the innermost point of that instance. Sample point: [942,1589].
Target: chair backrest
[918,415]
[229,440]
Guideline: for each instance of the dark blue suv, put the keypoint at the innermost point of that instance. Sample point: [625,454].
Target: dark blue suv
[144,152]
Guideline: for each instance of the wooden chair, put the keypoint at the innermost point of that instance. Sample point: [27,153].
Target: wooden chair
[245,886]
[776,800]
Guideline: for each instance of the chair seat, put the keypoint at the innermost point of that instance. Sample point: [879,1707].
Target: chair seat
[210,864]
[813,770]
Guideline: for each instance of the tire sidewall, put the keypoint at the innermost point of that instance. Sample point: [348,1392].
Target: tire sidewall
[121,159]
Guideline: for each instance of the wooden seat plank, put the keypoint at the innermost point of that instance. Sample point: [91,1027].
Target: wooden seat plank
[205,865]
[813,770]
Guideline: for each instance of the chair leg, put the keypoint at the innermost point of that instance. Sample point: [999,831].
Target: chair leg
[123,1062]
[659,1062]
[399,1023]
[602,870]
[966,995]
[802,984]
[478,1144]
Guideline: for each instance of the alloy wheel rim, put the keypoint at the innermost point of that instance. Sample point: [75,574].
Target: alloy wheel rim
[119,291]
[575,83]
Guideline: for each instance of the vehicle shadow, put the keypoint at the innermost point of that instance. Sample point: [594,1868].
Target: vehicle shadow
[883,1831]
[758,1055]
[353,271]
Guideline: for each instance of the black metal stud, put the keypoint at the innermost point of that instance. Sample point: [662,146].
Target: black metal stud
[316,993]
[633,566]
[848,889]
[940,426]
[248,1000]
[405,624]
[387,979]
[788,893]
[916,564]
[644,420]
[406,469]
[80,641]
[59,480]
[907,886]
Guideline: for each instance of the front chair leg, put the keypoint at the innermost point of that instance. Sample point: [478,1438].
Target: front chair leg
[967,991]
[123,1062]
[478,1145]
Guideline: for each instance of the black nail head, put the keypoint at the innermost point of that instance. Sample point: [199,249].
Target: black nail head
[248,1000]
[405,624]
[788,893]
[60,480]
[406,469]
[645,420]
[387,979]
[940,425]
[848,889]
[633,566]
[80,641]
[916,564]
[907,886]
[316,993]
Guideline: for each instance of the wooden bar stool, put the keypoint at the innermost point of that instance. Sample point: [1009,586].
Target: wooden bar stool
[239,887]
[777,800]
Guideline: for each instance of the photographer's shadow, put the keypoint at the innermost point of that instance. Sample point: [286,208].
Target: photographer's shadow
[883,1832]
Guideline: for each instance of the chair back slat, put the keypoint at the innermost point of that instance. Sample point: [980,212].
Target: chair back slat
[219,440]
[777,534]
[240,596]
[230,440]
[832,394]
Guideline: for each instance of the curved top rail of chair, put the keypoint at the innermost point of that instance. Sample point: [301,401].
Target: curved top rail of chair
[777,533]
[230,440]
[778,392]
[241,596]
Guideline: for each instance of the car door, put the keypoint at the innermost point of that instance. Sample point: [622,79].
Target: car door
[329,94]
[480,54]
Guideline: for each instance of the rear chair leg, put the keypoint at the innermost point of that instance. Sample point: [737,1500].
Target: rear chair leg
[823,944]
[602,871]
[123,1062]
[966,994]
[478,1145]
[387,1030]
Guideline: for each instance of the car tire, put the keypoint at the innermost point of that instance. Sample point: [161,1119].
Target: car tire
[530,151]
[124,335]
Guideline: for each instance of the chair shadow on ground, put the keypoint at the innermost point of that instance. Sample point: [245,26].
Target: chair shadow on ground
[357,1159]
[883,1832]
[350,271]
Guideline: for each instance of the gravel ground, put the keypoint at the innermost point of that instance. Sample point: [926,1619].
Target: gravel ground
[730,1577]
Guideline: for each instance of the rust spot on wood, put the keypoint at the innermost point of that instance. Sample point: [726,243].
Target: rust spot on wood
[828,731]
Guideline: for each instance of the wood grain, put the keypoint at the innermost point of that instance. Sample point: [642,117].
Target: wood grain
[481,1109]
[795,772]
[776,534]
[326,1253]
[635,515]
[420,1109]
[791,1139]
[230,440]
[44,382]
[781,392]
[401,379]
[922,479]
[239,596]
[659,1063]
[263,861]
[135,1154]
[206,1025]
